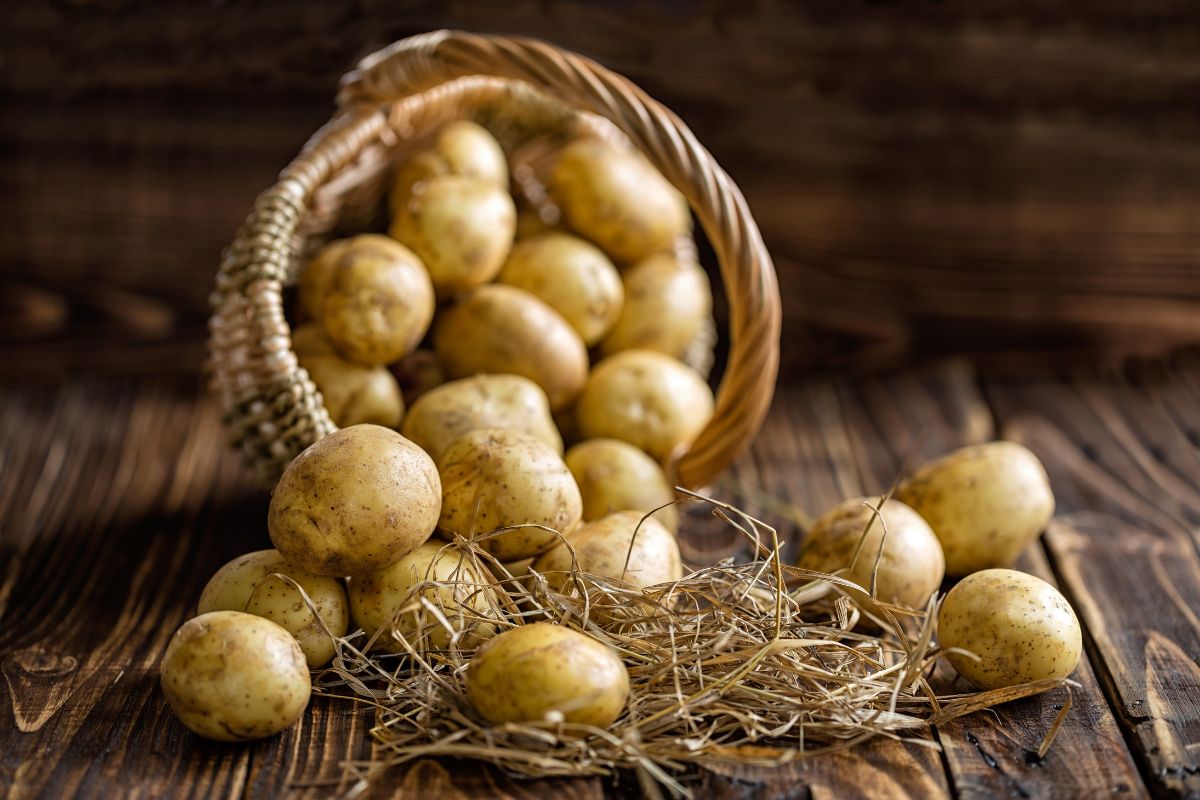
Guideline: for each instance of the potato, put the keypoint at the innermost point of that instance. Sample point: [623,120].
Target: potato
[668,303]
[572,277]
[247,584]
[233,677]
[616,476]
[388,597]
[461,228]
[986,503]
[547,672]
[647,399]
[417,373]
[356,501]
[500,329]
[602,547]
[461,148]
[615,199]
[483,401]
[1021,628]
[494,478]
[911,566]
[352,394]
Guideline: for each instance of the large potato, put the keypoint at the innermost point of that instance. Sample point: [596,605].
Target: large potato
[668,303]
[1020,627]
[572,277]
[547,672]
[482,401]
[647,399]
[248,584]
[495,478]
[461,228]
[388,599]
[986,503]
[232,676]
[616,547]
[352,393]
[616,476]
[500,329]
[911,565]
[617,200]
[354,502]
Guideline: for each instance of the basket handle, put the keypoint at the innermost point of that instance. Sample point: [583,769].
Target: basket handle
[422,62]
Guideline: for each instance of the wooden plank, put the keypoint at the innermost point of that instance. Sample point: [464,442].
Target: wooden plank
[1126,556]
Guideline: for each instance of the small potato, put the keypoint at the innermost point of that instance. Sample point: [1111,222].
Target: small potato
[352,394]
[461,228]
[986,503]
[482,401]
[1021,628]
[494,478]
[248,584]
[354,502]
[572,277]
[911,566]
[389,598]
[647,399]
[234,677]
[547,672]
[615,199]
[603,547]
[500,329]
[616,476]
[668,303]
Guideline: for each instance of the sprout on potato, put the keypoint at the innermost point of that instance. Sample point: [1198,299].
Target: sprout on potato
[616,476]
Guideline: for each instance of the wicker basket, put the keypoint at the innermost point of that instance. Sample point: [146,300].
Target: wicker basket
[524,91]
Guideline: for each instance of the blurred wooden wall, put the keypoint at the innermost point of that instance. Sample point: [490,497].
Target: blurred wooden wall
[993,177]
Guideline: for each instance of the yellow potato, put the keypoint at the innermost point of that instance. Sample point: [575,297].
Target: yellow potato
[461,228]
[352,393]
[482,401]
[572,277]
[461,148]
[234,677]
[500,329]
[547,672]
[986,503]
[617,200]
[602,547]
[616,476]
[494,478]
[247,584]
[421,167]
[354,502]
[911,566]
[1021,628]
[647,399]
[389,598]
[668,303]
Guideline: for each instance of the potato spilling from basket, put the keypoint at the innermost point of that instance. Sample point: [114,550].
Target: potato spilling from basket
[511,397]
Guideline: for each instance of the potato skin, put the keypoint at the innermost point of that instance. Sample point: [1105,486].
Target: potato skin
[986,503]
[377,597]
[378,302]
[602,546]
[352,394]
[615,199]
[530,671]
[247,584]
[461,228]
[571,276]
[481,401]
[234,677]
[647,399]
[500,329]
[616,476]
[470,149]
[911,566]
[1021,628]
[667,305]
[494,478]
[354,502]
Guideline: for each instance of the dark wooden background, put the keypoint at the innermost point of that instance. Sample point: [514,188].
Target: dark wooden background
[993,177]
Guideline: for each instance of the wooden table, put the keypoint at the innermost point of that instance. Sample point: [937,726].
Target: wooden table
[119,499]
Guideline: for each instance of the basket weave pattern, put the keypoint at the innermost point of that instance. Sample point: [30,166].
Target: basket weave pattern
[519,88]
